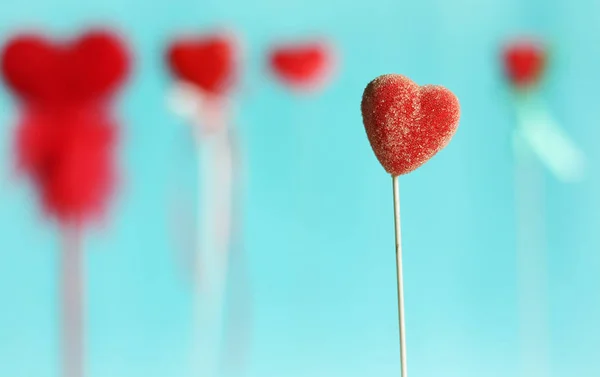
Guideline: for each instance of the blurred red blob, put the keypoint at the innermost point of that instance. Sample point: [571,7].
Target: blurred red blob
[66,137]
[68,153]
[524,63]
[43,71]
[207,62]
[302,66]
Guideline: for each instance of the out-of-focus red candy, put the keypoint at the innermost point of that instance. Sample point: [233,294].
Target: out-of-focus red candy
[66,137]
[98,65]
[524,63]
[207,62]
[43,71]
[407,124]
[69,155]
[302,66]
[30,67]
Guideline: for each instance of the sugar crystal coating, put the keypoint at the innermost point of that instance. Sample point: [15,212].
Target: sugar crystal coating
[407,124]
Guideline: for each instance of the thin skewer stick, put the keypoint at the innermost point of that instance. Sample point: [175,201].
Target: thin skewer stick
[72,303]
[236,339]
[214,211]
[532,265]
[397,231]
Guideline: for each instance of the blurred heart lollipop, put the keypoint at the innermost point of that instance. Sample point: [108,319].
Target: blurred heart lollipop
[406,125]
[537,138]
[205,67]
[525,61]
[65,144]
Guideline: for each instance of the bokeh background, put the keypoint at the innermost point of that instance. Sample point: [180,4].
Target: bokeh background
[318,231]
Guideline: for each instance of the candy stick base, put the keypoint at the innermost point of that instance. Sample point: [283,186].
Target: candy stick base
[72,303]
[212,258]
[399,280]
[532,264]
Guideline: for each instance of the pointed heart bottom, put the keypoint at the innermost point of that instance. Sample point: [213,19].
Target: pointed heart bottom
[407,124]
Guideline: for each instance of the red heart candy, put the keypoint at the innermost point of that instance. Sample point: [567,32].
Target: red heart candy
[29,67]
[88,68]
[68,154]
[407,124]
[207,62]
[98,63]
[303,65]
[524,63]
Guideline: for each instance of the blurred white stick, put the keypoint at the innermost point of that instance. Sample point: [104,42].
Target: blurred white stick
[539,135]
[215,167]
[214,208]
[72,303]
[209,117]
[238,318]
[532,276]
[548,141]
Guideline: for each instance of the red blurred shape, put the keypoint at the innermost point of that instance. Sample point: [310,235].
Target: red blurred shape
[44,71]
[524,63]
[302,66]
[68,153]
[66,137]
[207,62]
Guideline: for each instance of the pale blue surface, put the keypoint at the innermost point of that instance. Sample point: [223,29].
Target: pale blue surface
[318,222]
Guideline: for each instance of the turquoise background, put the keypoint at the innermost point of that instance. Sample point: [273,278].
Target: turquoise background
[318,218]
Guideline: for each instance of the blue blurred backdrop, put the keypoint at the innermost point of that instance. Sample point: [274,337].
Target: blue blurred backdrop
[318,218]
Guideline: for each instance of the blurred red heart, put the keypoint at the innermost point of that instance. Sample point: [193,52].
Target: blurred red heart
[68,153]
[89,68]
[407,124]
[207,62]
[302,65]
[524,63]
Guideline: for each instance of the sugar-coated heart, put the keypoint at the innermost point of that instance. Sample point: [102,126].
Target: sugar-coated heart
[303,65]
[44,71]
[524,63]
[407,124]
[207,62]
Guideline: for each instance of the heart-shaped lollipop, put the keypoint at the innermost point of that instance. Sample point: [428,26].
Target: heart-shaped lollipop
[407,124]
[302,66]
[207,62]
[44,71]
[524,63]
[65,142]
[66,136]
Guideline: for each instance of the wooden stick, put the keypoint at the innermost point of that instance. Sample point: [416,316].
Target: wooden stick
[399,280]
